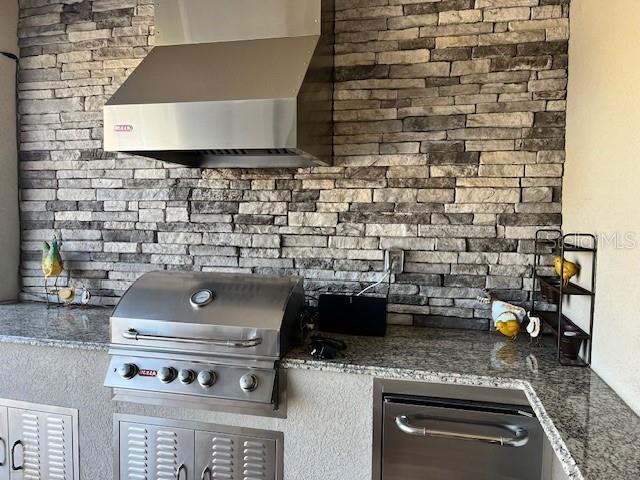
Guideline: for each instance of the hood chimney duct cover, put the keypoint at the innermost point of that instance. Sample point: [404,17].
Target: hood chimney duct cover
[231,84]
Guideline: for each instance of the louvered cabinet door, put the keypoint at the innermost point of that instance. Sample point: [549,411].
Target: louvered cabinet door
[152,452]
[221,456]
[216,456]
[4,443]
[41,445]
[258,459]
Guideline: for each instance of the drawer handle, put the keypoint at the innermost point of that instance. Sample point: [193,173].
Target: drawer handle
[13,456]
[207,472]
[519,436]
[4,452]
[181,469]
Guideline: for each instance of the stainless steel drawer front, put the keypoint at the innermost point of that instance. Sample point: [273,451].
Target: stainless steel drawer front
[422,441]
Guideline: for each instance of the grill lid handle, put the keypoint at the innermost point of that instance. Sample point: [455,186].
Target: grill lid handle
[133,334]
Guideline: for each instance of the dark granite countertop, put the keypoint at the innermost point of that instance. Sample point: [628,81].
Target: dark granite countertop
[594,433]
[71,327]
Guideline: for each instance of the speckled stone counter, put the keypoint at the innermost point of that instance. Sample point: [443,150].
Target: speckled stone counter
[71,327]
[595,434]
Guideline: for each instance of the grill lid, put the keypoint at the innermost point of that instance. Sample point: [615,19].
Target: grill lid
[230,314]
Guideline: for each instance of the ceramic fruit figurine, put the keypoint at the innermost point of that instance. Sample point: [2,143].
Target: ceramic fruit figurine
[509,328]
[85,296]
[533,328]
[51,263]
[569,269]
[67,294]
[506,317]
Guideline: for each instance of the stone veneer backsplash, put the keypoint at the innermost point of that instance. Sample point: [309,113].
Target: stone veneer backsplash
[449,144]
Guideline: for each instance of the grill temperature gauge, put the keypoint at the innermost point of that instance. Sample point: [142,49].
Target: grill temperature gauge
[201,298]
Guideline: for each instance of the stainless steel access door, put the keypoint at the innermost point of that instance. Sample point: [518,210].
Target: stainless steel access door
[458,441]
[234,457]
[41,445]
[4,444]
[152,452]
[162,449]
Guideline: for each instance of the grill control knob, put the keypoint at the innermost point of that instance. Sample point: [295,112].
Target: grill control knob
[127,371]
[167,374]
[206,378]
[186,376]
[248,382]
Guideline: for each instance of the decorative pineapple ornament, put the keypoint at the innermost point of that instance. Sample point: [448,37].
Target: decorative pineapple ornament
[52,265]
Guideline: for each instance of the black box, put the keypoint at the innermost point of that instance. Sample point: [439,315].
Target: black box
[353,315]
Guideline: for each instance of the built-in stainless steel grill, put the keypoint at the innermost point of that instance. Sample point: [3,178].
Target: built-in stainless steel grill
[207,340]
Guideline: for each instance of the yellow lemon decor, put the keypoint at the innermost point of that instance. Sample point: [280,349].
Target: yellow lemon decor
[510,328]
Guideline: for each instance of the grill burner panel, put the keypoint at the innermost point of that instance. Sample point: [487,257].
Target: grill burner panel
[227,379]
[205,339]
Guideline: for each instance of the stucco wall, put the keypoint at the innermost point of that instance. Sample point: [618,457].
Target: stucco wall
[9,224]
[601,191]
[327,432]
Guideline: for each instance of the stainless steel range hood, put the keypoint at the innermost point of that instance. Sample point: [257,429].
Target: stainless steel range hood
[231,83]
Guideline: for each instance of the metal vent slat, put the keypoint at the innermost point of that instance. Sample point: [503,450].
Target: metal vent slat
[166,454]
[56,448]
[243,152]
[254,460]
[31,434]
[137,459]
[222,453]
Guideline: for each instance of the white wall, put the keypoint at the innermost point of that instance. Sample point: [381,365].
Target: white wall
[9,228]
[601,191]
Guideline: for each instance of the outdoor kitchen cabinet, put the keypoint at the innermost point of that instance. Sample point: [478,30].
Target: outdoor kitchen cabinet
[4,439]
[37,442]
[150,449]
[226,455]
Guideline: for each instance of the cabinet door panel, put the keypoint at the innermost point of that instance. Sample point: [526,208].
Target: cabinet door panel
[235,457]
[58,448]
[258,459]
[4,444]
[217,453]
[151,452]
[46,445]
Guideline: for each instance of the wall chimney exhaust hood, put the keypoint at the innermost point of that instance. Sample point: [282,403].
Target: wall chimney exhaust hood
[231,84]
